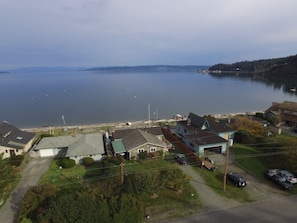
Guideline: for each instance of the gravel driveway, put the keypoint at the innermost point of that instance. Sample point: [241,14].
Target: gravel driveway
[256,189]
[30,176]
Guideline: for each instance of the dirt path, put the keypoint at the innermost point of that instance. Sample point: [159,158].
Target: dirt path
[209,198]
[256,189]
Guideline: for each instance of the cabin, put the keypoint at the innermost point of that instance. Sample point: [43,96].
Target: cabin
[131,142]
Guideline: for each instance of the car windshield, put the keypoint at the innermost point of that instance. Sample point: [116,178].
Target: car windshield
[282,179]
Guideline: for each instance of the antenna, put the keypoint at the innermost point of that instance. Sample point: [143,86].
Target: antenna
[63,119]
[149,114]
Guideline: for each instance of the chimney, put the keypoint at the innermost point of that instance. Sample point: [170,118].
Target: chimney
[188,121]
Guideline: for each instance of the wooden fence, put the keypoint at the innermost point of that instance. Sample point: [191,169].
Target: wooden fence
[178,143]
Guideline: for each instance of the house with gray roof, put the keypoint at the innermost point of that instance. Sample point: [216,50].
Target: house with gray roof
[14,141]
[201,134]
[285,112]
[131,142]
[75,147]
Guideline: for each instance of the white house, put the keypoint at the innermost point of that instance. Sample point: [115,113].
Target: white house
[14,141]
[73,146]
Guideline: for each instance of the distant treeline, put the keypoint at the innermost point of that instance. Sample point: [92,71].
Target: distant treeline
[154,68]
[286,66]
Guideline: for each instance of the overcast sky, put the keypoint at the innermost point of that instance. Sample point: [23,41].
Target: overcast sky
[96,33]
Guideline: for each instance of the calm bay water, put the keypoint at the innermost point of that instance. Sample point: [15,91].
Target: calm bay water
[85,97]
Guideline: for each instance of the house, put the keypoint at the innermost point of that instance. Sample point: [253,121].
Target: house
[285,112]
[201,134]
[131,142]
[14,141]
[75,147]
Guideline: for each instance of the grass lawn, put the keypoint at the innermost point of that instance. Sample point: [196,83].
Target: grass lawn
[250,159]
[215,181]
[170,204]
[61,177]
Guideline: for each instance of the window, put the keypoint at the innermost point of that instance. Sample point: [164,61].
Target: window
[140,150]
[17,150]
[6,151]
[192,145]
[153,149]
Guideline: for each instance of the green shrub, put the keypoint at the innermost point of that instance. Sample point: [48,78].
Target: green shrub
[88,161]
[117,160]
[67,163]
[143,155]
[16,160]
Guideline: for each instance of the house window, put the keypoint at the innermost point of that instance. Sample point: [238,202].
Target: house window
[6,151]
[75,157]
[140,150]
[185,131]
[90,155]
[17,150]
[153,149]
[192,145]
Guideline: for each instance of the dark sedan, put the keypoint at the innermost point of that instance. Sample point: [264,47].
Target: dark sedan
[236,179]
[282,182]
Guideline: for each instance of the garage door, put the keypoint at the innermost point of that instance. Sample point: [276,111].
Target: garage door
[217,149]
[46,152]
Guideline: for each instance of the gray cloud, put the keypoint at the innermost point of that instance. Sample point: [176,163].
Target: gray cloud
[136,32]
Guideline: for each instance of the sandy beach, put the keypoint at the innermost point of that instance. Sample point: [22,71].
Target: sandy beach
[92,127]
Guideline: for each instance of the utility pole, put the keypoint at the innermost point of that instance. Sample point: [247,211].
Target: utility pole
[226,165]
[122,173]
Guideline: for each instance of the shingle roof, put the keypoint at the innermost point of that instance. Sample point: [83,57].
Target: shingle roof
[133,138]
[86,145]
[153,130]
[288,105]
[196,120]
[11,136]
[201,137]
[78,145]
[218,127]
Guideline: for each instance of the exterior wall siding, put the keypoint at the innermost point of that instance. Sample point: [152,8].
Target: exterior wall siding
[146,147]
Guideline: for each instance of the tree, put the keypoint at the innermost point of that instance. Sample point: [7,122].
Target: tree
[72,208]
[248,130]
[8,175]
[126,209]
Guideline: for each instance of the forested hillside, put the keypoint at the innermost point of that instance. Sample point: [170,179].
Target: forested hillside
[286,66]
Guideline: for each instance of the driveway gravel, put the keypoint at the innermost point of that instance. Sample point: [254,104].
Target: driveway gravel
[30,177]
[256,189]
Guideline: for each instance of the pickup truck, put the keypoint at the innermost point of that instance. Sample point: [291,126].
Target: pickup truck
[208,164]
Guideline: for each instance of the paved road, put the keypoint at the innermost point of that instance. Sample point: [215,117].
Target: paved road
[30,176]
[273,210]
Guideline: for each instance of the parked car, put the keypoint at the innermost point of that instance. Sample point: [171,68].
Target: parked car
[289,176]
[236,179]
[282,182]
[180,158]
[268,174]
[208,164]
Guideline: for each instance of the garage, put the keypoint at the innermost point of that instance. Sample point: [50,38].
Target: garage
[46,152]
[215,149]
